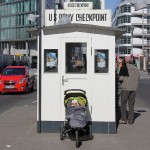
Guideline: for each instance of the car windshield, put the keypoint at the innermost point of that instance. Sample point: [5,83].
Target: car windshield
[13,71]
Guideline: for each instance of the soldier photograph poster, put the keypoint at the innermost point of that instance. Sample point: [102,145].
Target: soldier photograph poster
[51,60]
[101,61]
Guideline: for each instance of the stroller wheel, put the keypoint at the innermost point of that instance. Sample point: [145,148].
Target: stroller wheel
[90,132]
[61,132]
[77,138]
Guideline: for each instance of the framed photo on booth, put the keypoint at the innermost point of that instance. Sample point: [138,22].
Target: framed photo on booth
[101,61]
[51,60]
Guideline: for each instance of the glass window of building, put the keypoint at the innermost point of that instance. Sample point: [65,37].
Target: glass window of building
[124,19]
[148,40]
[13,21]
[49,4]
[125,51]
[148,29]
[13,8]
[33,5]
[148,9]
[125,8]
[26,6]
[125,40]
[148,19]
[14,16]
[127,28]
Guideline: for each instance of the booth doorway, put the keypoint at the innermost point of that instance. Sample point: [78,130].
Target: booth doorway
[76,65]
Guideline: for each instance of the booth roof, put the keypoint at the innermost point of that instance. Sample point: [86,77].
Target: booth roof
[75,27]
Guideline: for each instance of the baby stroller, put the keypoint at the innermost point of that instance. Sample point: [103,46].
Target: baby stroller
[76,125]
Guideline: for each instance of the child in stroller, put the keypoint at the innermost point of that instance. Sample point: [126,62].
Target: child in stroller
[76,124]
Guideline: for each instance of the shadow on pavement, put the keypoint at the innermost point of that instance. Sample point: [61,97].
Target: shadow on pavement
[137,113]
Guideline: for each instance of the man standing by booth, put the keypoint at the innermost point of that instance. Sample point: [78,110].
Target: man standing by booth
[129,77]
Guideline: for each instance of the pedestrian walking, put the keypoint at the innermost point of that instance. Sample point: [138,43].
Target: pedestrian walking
[14,63]
[129,77]
[148,68]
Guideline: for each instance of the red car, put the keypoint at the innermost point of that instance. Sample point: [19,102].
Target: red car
[16,79]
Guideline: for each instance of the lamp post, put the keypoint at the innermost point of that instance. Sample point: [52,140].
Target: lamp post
[40,66]
[33,17]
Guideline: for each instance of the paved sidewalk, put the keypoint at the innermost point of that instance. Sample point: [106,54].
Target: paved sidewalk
[18,132]
[144,74]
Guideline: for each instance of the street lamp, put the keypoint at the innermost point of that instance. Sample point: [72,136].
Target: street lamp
[33,17]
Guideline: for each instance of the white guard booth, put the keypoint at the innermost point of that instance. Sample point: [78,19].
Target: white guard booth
[77,56]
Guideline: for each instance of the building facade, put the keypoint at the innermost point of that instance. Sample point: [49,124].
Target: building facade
[136,40]
[14,40]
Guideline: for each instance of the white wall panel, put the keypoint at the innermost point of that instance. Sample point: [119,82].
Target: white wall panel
[103,84]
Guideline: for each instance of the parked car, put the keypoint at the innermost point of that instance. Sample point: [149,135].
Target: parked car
[16,79]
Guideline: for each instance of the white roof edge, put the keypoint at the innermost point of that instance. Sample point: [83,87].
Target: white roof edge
[117,31]
[71,25]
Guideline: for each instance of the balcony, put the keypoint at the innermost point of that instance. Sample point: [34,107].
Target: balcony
[140,14]
[145,44]
[145,34]
[124,14]
[141,24]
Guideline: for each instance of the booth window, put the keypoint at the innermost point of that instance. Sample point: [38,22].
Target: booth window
[51,60]
[76,58]
[101,61]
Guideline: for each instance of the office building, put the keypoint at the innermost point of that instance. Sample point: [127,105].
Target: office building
[136,40]
[14,40]
[14,22]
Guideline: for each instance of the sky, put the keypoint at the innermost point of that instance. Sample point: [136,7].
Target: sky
[111,4]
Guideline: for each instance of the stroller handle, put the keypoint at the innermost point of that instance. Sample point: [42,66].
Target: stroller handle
[74,90]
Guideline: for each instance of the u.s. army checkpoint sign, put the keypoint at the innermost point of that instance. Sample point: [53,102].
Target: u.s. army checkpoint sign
[94,17]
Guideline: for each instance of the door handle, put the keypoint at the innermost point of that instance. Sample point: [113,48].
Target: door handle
[64,80]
